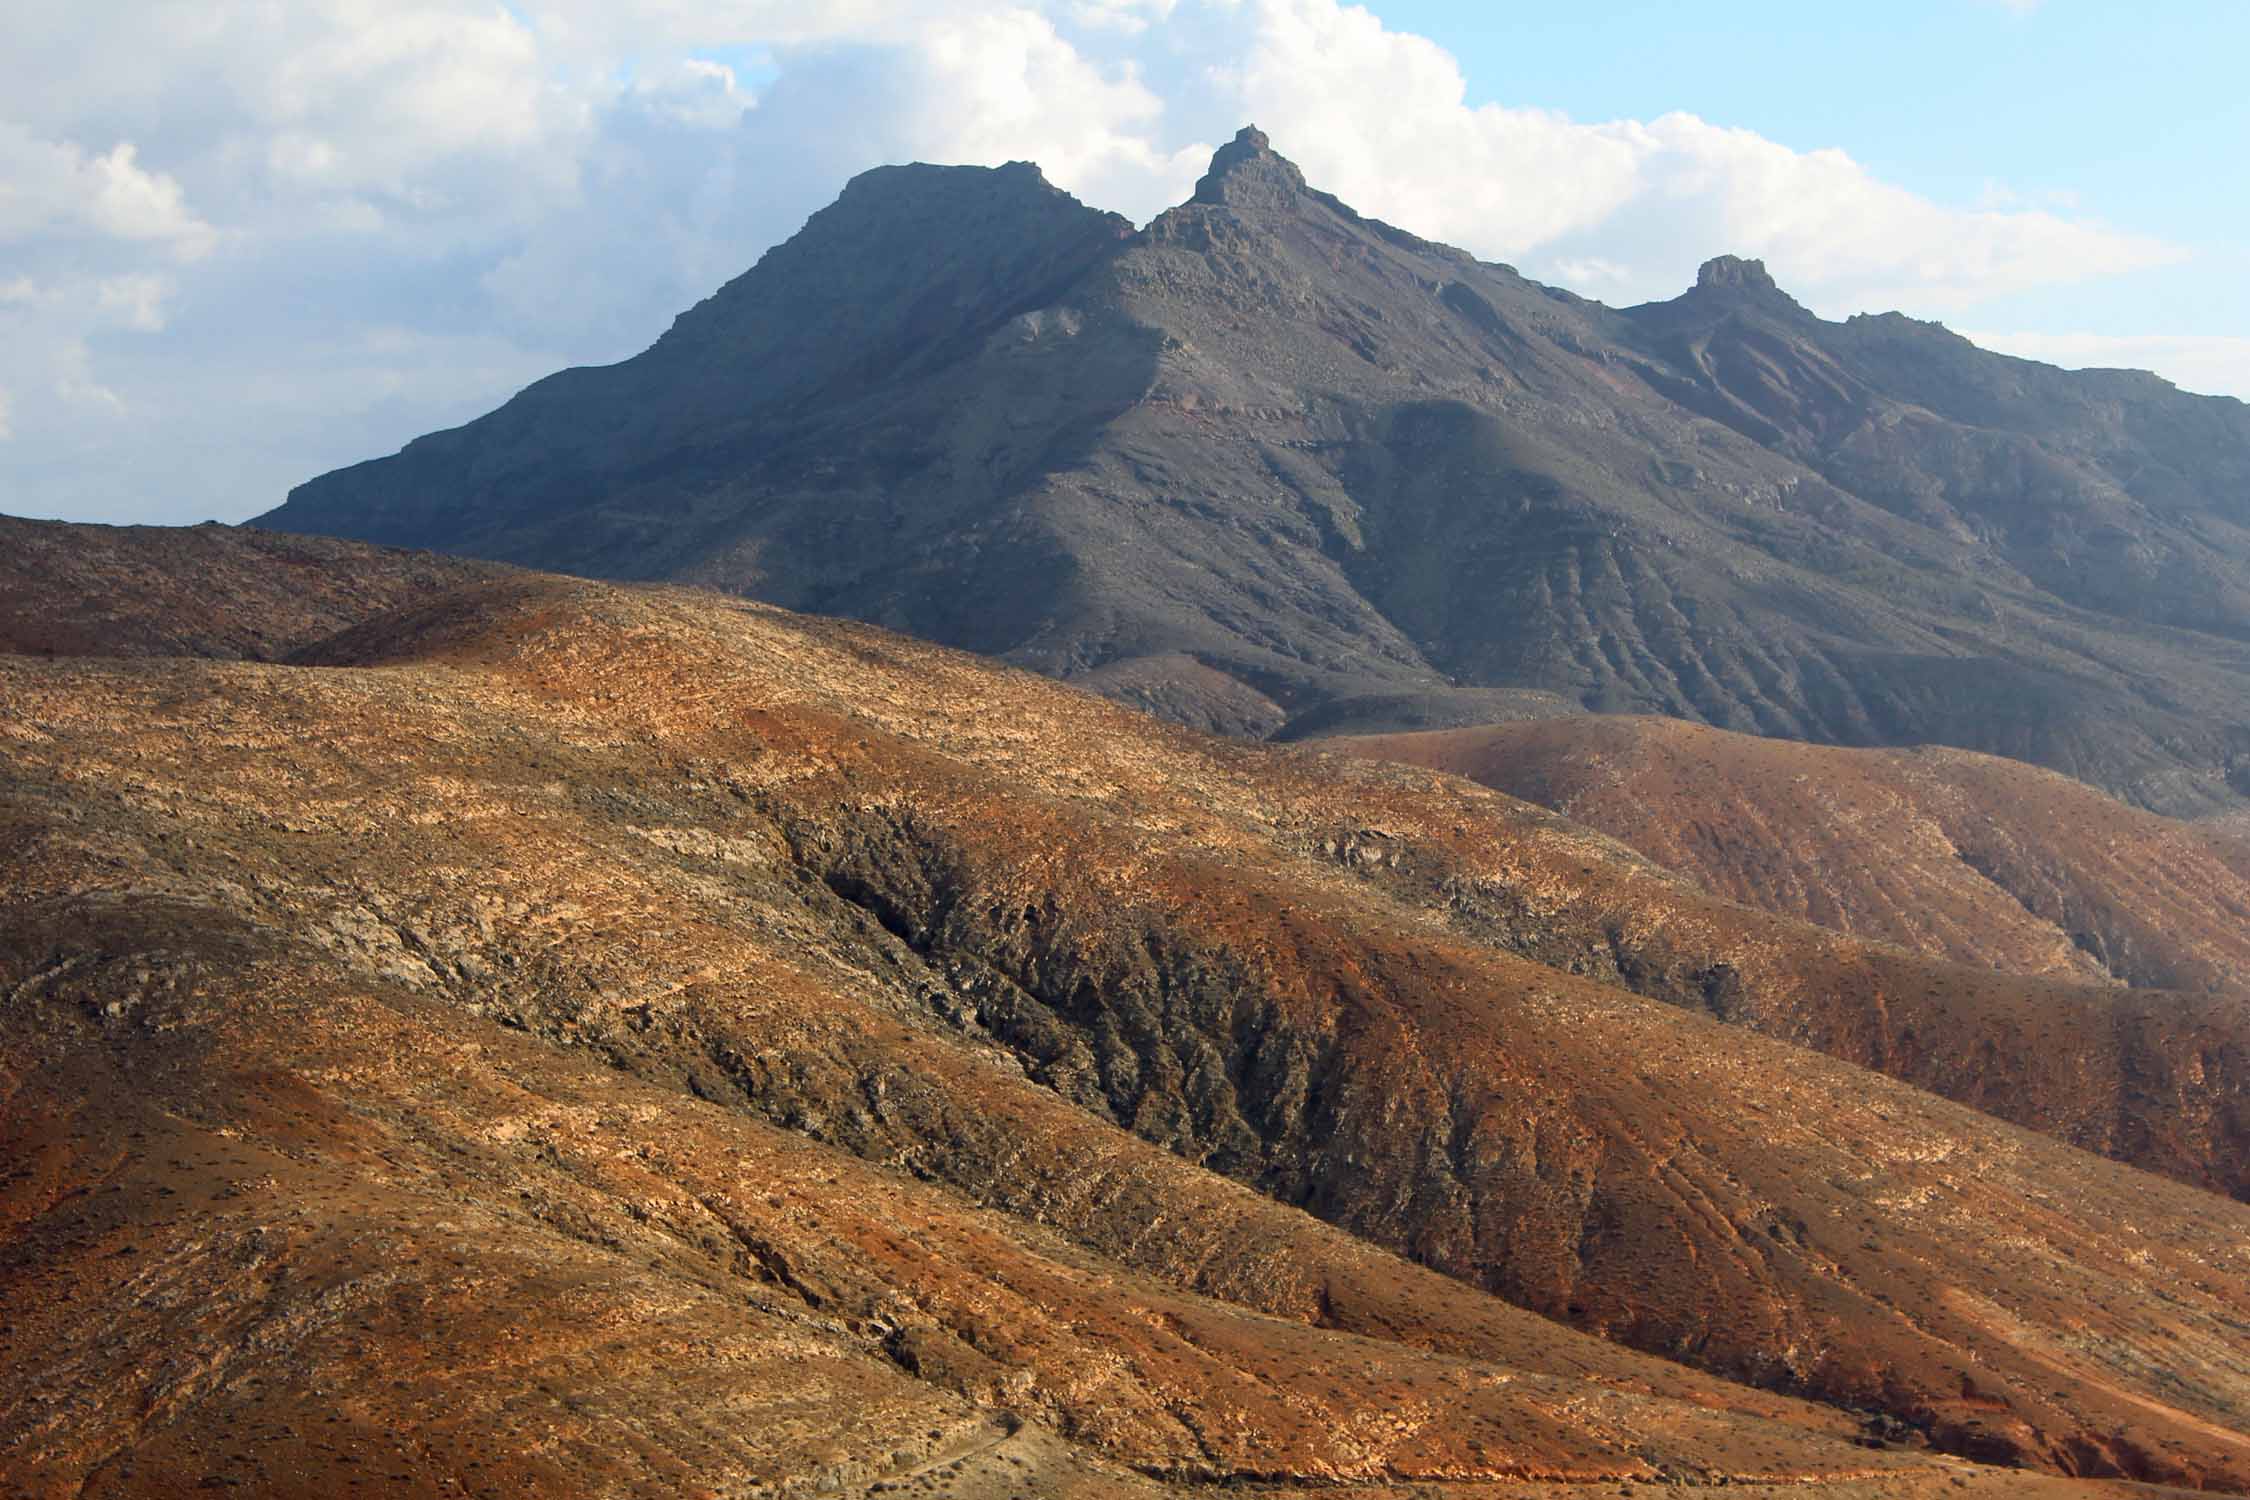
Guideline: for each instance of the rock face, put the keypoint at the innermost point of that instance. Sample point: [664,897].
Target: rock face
[1270,466]
[560,1039]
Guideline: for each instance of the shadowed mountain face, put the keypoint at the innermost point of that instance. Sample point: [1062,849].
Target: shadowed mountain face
[1268,466]
[558,1038]
[1963,857]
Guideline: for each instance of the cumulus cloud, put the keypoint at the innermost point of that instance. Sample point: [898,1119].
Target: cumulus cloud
[1123,15]
[266,240]
[60,400]
[1007,85]
[695,91]
[59,188]
[1379,117]
[135,301]
[1630,207]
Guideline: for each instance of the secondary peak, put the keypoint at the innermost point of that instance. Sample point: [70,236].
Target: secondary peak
[1736,279]
[1247,173]
[1735,271]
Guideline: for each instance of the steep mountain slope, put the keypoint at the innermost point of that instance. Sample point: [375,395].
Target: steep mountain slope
[1963,857]
[754,1015]
[309,1224]
[316,1233]
[1268,465]
[2106,488]
[235,593]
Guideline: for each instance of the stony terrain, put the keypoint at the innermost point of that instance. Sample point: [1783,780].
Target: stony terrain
[1955,855]
[1267,466]
[559,1038]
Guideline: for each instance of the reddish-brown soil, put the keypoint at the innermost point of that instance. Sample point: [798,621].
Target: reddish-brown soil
[1955,855]
[573,1039]
[222,591]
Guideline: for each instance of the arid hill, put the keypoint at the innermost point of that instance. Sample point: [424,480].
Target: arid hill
[234,593]
[1271,467]
[563,1038]
[1959,856]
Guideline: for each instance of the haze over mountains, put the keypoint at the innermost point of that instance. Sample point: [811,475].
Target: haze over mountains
[1270,467]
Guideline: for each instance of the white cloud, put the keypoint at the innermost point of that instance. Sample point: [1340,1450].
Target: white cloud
[685,205]
[599,31]
[2214,365]
[121,199]
[1379,117]
[135,301]
[1123,15]
[50,187]
[1006,85]
[694,91]
[76,386]
[284,237]
[46,354]
[388,97]
[7,426]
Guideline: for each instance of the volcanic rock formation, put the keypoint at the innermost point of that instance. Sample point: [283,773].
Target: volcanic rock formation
[1268,466]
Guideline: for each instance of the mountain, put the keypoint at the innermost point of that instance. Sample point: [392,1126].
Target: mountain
[1270,467]
[559,1038]
[1958,856]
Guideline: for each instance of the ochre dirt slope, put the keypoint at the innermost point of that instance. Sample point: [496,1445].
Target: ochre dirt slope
[308,1224]
[571,1038]
[1956,855]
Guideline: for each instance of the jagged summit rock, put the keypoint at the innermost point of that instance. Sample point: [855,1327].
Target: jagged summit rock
[1247,173]
[1735,271]
[1725,286]
[1270,466]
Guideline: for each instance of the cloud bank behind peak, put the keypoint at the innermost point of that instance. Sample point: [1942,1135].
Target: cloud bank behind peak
[264,243]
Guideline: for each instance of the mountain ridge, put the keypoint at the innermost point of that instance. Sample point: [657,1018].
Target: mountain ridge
[1954,855]
[1267,464]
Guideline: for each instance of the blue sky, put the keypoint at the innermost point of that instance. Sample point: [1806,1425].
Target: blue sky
[263,242]
[2134,114]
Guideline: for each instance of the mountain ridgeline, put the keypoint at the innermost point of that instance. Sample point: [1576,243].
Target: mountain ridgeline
[1270,467]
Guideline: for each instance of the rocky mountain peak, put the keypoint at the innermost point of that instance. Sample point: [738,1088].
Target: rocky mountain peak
[958,385]
[917,187]
[1735,271]
[1248,173]
[1741,277]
